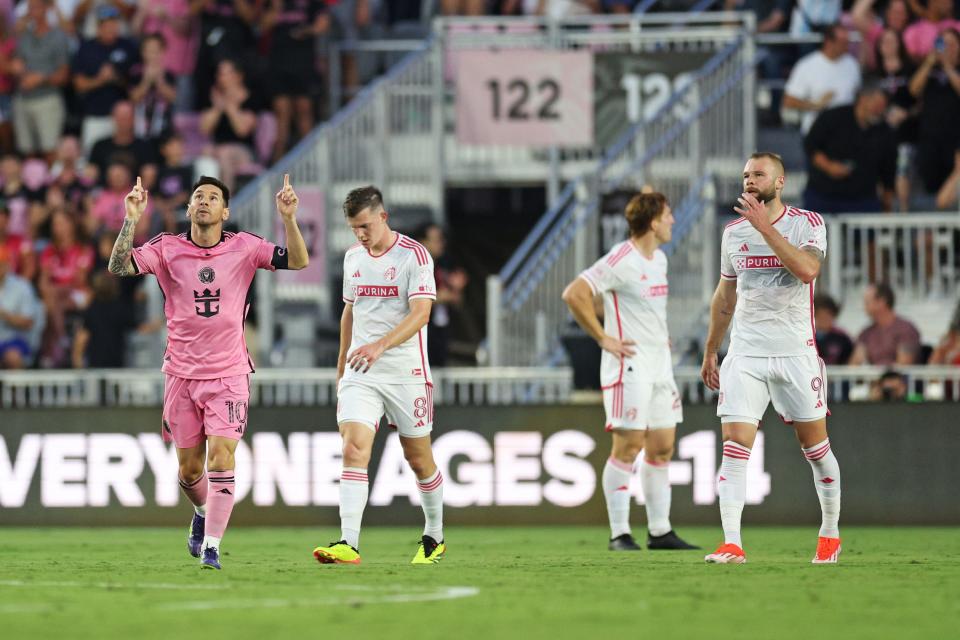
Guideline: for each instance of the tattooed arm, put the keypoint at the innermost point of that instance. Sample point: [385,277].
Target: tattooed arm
[136,204]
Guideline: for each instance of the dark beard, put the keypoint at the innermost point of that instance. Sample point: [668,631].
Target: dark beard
[766,196]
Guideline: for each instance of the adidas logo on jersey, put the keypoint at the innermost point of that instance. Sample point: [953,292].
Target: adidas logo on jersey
[420,424]
[744,248]
[357,274]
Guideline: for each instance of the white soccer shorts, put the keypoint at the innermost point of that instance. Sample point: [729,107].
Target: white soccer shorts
[408,407]
[797,385]
[642,405]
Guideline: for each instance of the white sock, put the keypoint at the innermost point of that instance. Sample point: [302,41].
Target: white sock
[732,489]
[210,541]
[201,510]
[656,496]
[431,497]
[616,490]
[826,478]
[354,489]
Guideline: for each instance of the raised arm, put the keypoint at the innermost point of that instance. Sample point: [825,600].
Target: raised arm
[135,204]
[804,262]
[287,203]
[721,313]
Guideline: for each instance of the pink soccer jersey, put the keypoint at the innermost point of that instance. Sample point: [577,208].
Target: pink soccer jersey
[205,293]
[634,293]
[380,289]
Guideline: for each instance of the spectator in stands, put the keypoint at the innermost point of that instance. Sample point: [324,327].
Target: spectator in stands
[153,90]
[59,16]
[851,156]
[72,174]
[180,28]
[833,343]
[895,71]
[101,75]
[226,32]
[812,16]
[937,85]
[890,339]
[451,281]
[107,212]
[86,14]
[123,146]
[771,16]
[921,36]
[825,78]
[469,7]
[174,179]
[949,192]
[8,47]
[891,386]
[230,121]
[948,350]
[64,266]
[101,338]
[896,18]
[41,68]
[18,304]
[294,26]
[14,194]
[21,258]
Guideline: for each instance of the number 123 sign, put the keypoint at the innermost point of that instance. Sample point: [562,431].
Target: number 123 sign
[525,97]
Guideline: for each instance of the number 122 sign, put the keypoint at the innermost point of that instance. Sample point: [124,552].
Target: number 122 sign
[525,97]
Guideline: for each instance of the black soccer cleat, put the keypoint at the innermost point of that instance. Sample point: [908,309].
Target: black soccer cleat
[669,540]
[624,542]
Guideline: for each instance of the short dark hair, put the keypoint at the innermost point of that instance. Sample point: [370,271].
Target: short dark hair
[777,159]
[362,198]
[156,35]
[642,210]
[208,180]
[823,301]
[830,31]
[883,291]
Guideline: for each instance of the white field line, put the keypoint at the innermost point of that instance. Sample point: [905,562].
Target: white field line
[439,593]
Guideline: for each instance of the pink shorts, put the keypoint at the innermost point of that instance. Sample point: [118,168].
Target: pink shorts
[196,409]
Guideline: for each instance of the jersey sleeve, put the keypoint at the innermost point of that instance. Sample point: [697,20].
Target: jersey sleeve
[148,257]
[602,276]
[422,283]
[267,255]
[727,272]
[348,295]
[814,234]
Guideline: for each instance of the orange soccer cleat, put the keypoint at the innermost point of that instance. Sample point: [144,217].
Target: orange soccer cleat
[727,554]
[828,550]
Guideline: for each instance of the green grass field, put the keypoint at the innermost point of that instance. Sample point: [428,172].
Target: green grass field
[546,582]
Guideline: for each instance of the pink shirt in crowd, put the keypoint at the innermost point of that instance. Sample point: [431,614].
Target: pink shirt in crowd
[920,36]
[206,299]
[182,41]
[108,209]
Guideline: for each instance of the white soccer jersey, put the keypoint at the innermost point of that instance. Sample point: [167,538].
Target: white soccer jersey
[634,308]
[774,313]
[380,289]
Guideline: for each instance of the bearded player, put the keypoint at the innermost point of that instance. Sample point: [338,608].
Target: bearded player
[639,394]
[388,290]
[769,261]
[205,275]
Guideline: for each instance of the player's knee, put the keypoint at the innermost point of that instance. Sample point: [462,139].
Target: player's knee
[354,454]
[420,462]
[191,470]
[659,455]
[220,458]
[626,452]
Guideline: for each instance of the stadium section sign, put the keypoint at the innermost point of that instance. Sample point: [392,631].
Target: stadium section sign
[525,97]
[628,85]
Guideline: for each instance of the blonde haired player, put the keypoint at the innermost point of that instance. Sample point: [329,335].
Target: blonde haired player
[388,289]
[639,394]
[769,261]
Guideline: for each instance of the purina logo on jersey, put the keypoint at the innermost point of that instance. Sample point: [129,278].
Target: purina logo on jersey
[376,291]
[759,262]
[206,275]
[390,274]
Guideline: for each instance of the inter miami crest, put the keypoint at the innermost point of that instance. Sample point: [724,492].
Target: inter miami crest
[206,275]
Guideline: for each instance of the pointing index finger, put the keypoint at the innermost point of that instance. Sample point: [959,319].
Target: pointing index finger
[139,184]
[286,180]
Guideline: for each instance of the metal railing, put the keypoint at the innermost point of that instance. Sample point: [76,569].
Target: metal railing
[276,387]
[915,253]
[670,151]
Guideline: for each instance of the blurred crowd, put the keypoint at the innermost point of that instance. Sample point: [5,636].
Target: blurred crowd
[96,92]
